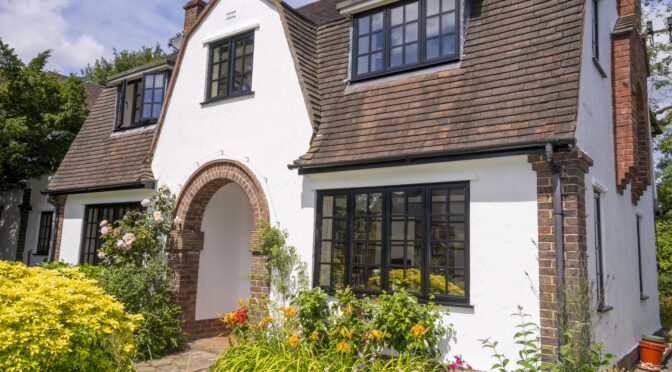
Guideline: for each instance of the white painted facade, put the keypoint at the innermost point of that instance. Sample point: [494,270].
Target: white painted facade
[71,240]
[10,216]
[622,327]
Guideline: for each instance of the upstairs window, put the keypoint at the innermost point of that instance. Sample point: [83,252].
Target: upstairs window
[230,67]
[139,101]
[404,36]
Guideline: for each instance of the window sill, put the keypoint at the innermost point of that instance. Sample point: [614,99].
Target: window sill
[426,65]
[226,98]
[643,298]
[599,68]
[462,303]
[140,126]
[604,309]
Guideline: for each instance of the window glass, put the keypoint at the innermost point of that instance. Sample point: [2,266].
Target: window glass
[597,227]
[377,239]
[44,233]
[93,216]
[230,71]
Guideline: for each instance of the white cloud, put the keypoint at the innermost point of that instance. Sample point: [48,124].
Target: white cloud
[32,26]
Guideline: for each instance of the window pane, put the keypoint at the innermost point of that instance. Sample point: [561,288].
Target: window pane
[327,206]
[433,26]
[363,25]
[359,254]
[432,48]
[376,61]
[373,275]
[412,11]
[325,251]
[363,45]
[396,254]
[147,96]
[146,111]
[222,88]
[358,278]
[397,16]
[448,23]
[438,254]
[448,45]
[237,83]
[213,89]
[327,228]
[158,95]
[432,7]
[362,65]
[158,81]
[337,276]
[375,229]
[397,36]
[376,203]
[456,283]
[411,30]
[361,204]
[239,45]
[341,205]
[447,5]
[215,54]
[437,281]
[376,41]
[339,252]
[214,71]
[397,229]
[377,22]
[325,275]
[149,81]
[398,202]
[396,57]
[156,108]
[359,229]
[249,46]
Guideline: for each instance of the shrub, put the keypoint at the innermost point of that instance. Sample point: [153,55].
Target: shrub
[60,320]
[137,273]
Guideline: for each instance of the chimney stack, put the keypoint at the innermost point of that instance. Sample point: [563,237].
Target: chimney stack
[191,11]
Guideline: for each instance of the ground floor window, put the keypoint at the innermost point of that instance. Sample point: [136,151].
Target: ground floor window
[599,269]
[93,215]
[44,234]
[370,239]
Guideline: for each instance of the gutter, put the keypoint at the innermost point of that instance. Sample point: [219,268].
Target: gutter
[120,186]
[558,230]
[524,148]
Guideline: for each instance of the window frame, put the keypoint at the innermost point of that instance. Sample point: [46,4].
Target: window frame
[122,91]
[230,41]
[43,245]
[599,250]
[86,225]
[425,188]
[595,30]
[642,295]
[151,120]
[422,40]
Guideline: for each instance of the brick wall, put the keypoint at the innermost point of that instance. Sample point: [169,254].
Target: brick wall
[573,168]
[58,231]
[186,239]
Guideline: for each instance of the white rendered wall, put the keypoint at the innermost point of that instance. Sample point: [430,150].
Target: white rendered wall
[622,327]
[225,261]
[74,214]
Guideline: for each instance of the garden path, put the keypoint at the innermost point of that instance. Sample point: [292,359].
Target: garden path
[200,355]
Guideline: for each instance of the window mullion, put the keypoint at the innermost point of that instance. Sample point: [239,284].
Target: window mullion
[385,244]
[231,62]
[426,209]
[349,245]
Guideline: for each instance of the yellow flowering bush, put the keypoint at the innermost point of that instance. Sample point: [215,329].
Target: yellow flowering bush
[60,320]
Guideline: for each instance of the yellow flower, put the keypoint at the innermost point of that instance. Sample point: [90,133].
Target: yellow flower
[342,346]
[289,311]
[374,334]
[347,310]
[315,336]
[265,320]
[241,302]
[293,339]
[418,330]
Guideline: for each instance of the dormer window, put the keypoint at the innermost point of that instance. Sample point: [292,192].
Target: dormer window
[139,100]
[405,36]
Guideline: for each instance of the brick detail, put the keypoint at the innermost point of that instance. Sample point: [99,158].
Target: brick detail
[186,238]
[58,231]
[632,139]
[573,167]
[629,361]
[192,9]
[24,213]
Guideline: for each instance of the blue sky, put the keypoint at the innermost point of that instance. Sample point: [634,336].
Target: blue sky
[79,31]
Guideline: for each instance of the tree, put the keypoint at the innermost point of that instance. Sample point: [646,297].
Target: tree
[39,116]
[123,60]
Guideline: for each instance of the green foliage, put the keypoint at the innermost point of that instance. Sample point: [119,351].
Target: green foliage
[137,273]
[408,327]
[61,321]
[313,311]
[527,337]
[39,116]
[287,272]
[90,271]
[122,60]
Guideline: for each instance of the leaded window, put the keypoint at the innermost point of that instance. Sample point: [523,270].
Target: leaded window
[405,35]
[93,216]
[139,100]
[597,221]
[374,239]
[44,233]
[230,67]
[595,30]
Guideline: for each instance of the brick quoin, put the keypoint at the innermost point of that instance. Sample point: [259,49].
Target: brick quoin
[58,231]
[573,166]
[186,238]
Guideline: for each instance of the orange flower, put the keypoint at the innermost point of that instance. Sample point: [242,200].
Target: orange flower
[374,334]
[293,339]
[265,320]
[342,346]
[345,332]
[315,336]
[347,310]
[241,302]
[289,311]
[418,330]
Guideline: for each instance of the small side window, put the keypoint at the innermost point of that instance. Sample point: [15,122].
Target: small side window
[44,235]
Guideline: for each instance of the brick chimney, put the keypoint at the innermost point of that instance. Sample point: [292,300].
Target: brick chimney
[191,11]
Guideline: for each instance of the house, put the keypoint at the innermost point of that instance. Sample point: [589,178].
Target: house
[489,152]
[27,212]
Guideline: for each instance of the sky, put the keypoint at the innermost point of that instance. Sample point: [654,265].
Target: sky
[79,31]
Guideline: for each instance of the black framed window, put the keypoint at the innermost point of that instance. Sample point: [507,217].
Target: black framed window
[639,258]
[599,268]
[230,67]
[44,233]
[595,29]
[93,216]
[371,238]
[139,101]
[405,35]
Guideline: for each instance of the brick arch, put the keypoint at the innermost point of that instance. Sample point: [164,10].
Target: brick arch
[186,237]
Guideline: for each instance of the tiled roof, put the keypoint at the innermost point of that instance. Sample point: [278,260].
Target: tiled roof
[516,85]
[98,159]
